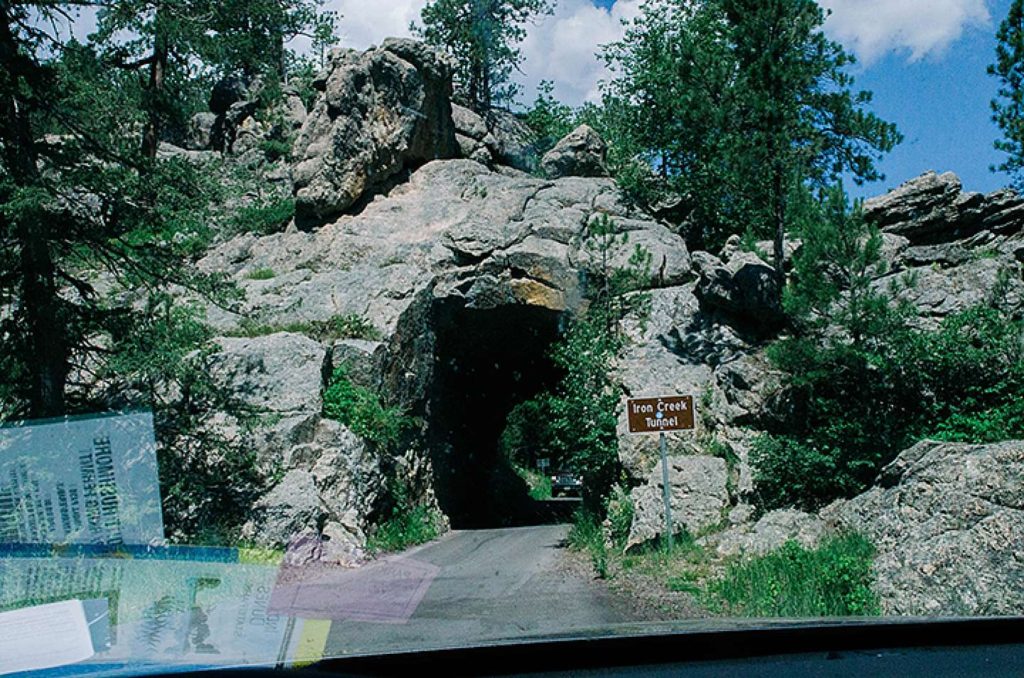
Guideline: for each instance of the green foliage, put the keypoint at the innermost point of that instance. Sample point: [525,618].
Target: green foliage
[834,273]
[587,536]
[416,525]
[833,580]
[549,119]
[261,274]
[861,385]
[974,367]
[1008,107]
[539,483]
[263,217]
[157,360]
[730,116]
[402,522]
[250,37]
[361,410]
[620,512]
[481,36]
[349,326]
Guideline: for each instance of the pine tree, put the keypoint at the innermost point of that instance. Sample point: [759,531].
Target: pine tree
[1008,109]
[738,106]
[481,36]
[79,202]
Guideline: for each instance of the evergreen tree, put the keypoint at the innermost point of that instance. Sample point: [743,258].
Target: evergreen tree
[1008,109]
[738,107]
[249,38]
[80,204]
[799,118]
[481,36]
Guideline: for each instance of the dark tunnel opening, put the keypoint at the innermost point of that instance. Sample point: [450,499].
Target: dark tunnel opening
[486,362]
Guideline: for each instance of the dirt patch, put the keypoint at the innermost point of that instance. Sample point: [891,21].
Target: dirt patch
[637,593]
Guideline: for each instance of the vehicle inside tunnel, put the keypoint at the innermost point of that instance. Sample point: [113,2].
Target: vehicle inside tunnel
[486,362]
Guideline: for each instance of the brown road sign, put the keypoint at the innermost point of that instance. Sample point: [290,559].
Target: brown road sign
[655,415]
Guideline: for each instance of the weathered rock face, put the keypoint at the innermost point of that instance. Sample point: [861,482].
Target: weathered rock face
[768,534]
[743,285]
[329,477]
[512,142]
[948,522]
[699,498]
[382,112]
[580,154]
[934,208]
[455,228]
[279,373]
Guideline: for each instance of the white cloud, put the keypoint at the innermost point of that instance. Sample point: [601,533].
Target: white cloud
[921,28]
[368,22]
[561,47]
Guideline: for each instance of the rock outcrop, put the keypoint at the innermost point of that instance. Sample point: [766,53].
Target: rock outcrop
[699,497]
[395,231]
[580,154]
[934,208]
[948,522]
[769,533]
[382,112]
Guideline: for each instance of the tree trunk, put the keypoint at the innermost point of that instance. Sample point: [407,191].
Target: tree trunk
[155,104]
[39,304]
[779,219]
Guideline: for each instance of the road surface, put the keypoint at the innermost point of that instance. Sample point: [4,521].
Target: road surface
[487,585]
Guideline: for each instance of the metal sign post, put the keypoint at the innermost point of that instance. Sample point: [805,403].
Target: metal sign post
[665,491]
[658,415]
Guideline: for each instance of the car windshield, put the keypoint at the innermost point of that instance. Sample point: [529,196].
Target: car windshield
[334,328]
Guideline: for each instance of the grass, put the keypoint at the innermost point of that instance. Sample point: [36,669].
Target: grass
[587,536]
[261,274]
[833,580]
[417,525]
[349,326]
[539,484]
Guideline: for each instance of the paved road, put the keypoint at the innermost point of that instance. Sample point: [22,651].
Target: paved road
[490,585]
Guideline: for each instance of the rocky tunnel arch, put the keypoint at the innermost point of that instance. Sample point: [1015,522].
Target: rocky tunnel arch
[486,360]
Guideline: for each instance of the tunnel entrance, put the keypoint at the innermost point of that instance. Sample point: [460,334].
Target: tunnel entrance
[486,362]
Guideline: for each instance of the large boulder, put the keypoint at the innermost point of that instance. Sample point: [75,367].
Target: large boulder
[934,208]
[699,497]
[580,154]
[948,522]
[382,111]
[279,373]
[511,141]
[769,533]
[743,286]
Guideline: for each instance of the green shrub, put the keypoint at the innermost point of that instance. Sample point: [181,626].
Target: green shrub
[539,484]
[853,408]
[833,580]
[264,217]
[261,274]
[362,411]
[586,536]
[620,513]
[275,149]
[408,527]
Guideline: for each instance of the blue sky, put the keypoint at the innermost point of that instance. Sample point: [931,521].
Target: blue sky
[941,104]
[940,101]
